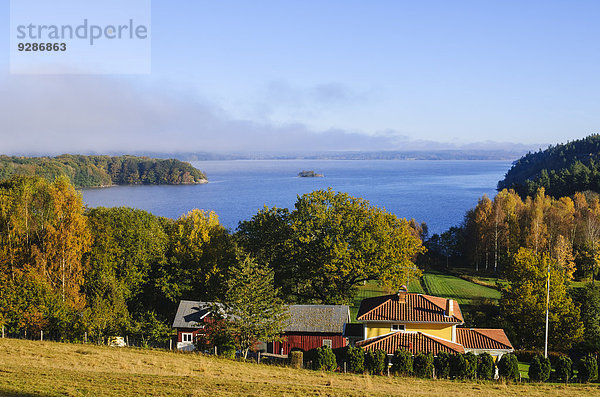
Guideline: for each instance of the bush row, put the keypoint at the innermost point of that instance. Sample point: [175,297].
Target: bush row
[449,366]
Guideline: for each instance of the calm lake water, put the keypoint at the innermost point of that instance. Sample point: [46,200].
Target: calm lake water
[437,192]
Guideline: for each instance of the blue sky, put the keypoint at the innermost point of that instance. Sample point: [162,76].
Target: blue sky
[274,75]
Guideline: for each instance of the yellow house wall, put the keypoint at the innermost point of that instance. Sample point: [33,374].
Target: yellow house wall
[439,330]
[376,329]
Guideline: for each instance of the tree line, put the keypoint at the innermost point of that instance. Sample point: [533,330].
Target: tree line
[94,171]
[562,169]
[69,270]
[522,241]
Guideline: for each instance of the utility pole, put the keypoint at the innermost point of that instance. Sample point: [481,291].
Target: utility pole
[547,310]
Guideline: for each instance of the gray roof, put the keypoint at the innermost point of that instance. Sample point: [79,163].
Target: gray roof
[303,318]
[318,318]
[190,314]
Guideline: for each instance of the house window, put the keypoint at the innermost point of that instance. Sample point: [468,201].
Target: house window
[327,342]
[398,327]
[187,337]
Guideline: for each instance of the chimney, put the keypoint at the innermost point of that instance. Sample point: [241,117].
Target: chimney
[402,292]
[449,308]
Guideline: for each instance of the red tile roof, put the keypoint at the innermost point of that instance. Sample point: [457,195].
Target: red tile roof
[414,342]
[417,308]
[483,339]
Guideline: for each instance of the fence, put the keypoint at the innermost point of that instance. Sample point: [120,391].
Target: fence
[131,341]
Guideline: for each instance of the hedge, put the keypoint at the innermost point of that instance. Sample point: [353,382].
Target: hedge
[539,368]
[423,365]
[485,366]
[587,369]
[375,362]
[563,369]
[402,362]
[508,367]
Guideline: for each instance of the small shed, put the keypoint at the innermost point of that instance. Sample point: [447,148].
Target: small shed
[312,326]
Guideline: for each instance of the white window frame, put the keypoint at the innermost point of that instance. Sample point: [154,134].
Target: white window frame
[397,327]
[328,343]
[187,337]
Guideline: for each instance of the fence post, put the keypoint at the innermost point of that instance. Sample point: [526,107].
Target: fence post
[171,344]
[85,337]
[41,335]
[127,340]
[344,367]
[3,332]
[258,359]
[25,334]
[215,350]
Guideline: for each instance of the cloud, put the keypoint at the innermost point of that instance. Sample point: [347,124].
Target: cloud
[82,114]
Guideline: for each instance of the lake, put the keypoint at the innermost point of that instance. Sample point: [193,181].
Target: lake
[436,192]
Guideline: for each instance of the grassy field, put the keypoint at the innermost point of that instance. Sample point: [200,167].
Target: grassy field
[30,368]
[463,291]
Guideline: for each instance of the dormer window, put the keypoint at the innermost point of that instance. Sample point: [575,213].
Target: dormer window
[398,327]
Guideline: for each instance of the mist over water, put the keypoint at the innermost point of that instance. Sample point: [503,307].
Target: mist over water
[436,192]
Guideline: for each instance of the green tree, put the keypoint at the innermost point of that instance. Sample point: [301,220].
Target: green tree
[508,367]
[402,363]
[441,362]
[485,366]
[251,306]
[587,369]
[355,356]
[324,359]
[330,243]
[375,362]
[423,365]
[202,252]
[539,368]
[458,366]
[523,302]
[564,369]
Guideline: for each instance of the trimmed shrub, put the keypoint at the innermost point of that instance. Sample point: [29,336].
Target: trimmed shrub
[563,369]
[340,354]
[325,359]
[471,369]
[508,367]
[423,365]
[539,368]
[441,364]
[458,366]
[587,369]
[485,366]
[402,363]
[296,358]
[375,362]
[355,357]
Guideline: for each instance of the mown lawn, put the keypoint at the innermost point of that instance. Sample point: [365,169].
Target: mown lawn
[30,368]
[463,291]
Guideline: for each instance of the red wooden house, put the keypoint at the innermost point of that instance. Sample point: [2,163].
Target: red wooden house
[189,322]
[308,327]
[312,326]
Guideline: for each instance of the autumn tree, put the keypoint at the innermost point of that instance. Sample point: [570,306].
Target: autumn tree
[523,302]
[202,252]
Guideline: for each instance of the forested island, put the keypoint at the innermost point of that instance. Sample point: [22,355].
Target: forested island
[561,170]
[310,174]
[99,171]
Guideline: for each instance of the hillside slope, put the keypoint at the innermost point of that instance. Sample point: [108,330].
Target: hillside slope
[58,369]
[562,169]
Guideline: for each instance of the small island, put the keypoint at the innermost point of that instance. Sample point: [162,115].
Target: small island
[309,174]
